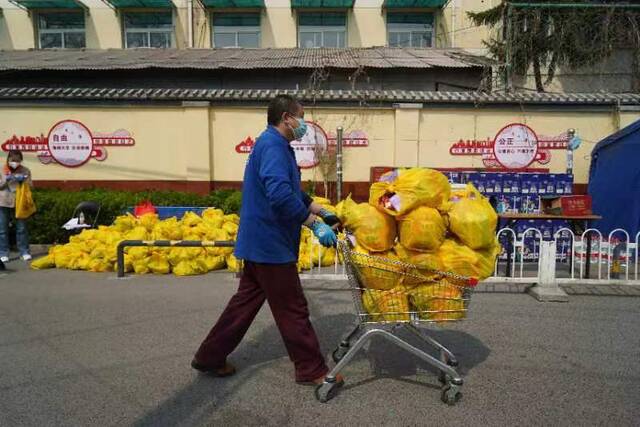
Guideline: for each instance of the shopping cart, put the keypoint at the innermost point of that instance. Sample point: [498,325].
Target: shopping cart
[389,295]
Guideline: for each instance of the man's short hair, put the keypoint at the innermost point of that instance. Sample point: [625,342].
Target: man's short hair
[278,106]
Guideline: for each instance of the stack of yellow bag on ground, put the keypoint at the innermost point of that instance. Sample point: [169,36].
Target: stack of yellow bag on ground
[311,253]
[96,249]
[414,217]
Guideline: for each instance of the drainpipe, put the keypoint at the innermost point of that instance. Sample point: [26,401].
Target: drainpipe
[190,22]
[453,23]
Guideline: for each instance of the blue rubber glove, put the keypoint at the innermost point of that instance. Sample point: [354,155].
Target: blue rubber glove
[324,233]
[9,178]
[328,217]
[19,178]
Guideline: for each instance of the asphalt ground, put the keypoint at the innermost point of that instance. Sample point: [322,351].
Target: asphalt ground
[82,349]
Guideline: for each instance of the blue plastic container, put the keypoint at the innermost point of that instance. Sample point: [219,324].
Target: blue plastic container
[165,212]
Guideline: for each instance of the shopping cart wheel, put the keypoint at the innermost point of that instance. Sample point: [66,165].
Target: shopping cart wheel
[450,394]
[340,352]
[326,391]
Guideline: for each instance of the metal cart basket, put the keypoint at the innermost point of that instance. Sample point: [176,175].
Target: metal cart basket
[388,295]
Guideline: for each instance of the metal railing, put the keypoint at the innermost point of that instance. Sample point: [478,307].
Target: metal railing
[588,258]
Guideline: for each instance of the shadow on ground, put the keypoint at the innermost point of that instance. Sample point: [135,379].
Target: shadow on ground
[197,402]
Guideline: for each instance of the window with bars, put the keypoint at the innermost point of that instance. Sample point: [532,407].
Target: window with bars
[236,30]
[61,30]
[148,29]
[322,29]
[410,29]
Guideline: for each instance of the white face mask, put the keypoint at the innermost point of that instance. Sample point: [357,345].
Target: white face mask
[14,165]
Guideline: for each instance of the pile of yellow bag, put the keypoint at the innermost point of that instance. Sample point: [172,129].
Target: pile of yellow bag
[414,217]
[96,249]
[311,253]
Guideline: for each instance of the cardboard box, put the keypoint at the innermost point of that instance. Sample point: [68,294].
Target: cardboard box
[567,205]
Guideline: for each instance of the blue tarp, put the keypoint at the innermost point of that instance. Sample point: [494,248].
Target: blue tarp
[614,181]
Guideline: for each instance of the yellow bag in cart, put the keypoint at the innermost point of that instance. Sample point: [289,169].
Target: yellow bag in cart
[428,263]
[460,259]
[374,230]
[390,306]
[378,275]
[440,301]
[422,229]
[472,218]
[402,190]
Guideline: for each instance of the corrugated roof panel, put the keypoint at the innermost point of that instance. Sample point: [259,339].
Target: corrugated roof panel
[319,95]
[232,59]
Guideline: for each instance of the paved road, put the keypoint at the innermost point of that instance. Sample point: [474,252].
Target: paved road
[86,349]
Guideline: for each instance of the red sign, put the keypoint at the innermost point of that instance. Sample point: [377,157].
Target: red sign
[305,148]
[515,146]
[69,143]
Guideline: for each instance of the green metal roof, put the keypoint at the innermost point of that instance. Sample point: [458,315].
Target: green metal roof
[406,4]
[249,4]
[48,4]
[145,4]
[322,4]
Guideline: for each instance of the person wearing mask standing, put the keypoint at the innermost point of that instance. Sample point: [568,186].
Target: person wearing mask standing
[13,175]
[274,207]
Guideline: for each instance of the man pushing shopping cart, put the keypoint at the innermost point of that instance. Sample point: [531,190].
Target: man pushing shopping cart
[416,252]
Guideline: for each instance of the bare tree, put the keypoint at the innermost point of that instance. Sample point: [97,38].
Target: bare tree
[325,155]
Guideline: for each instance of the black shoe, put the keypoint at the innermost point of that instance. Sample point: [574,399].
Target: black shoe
[225,371]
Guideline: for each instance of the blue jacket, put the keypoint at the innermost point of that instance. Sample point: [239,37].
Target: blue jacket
[273,205]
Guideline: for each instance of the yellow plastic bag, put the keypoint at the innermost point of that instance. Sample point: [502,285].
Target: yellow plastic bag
[168,229]
[158,264]
[422,229]
[190,268]
[25,206]
[231,228]
[233,264]
[321,201]
[402,190]
[178,255]
[98,266]
[472,218]
[376,273]
[304,262]
[213,217]
[215,262]
[136,233]
[390,306]
[148,221]
[79,262]
[124,223]
[325,257]
[63,257]
[234,218]
[138,252]
[428,263]
[374,230]
[461,259]
[141,266]
[440,302]
[190,219]
[43,263]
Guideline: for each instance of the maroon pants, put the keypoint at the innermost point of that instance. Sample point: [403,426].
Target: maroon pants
[280,285]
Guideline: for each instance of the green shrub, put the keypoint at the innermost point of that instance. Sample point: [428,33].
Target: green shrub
[55,207]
